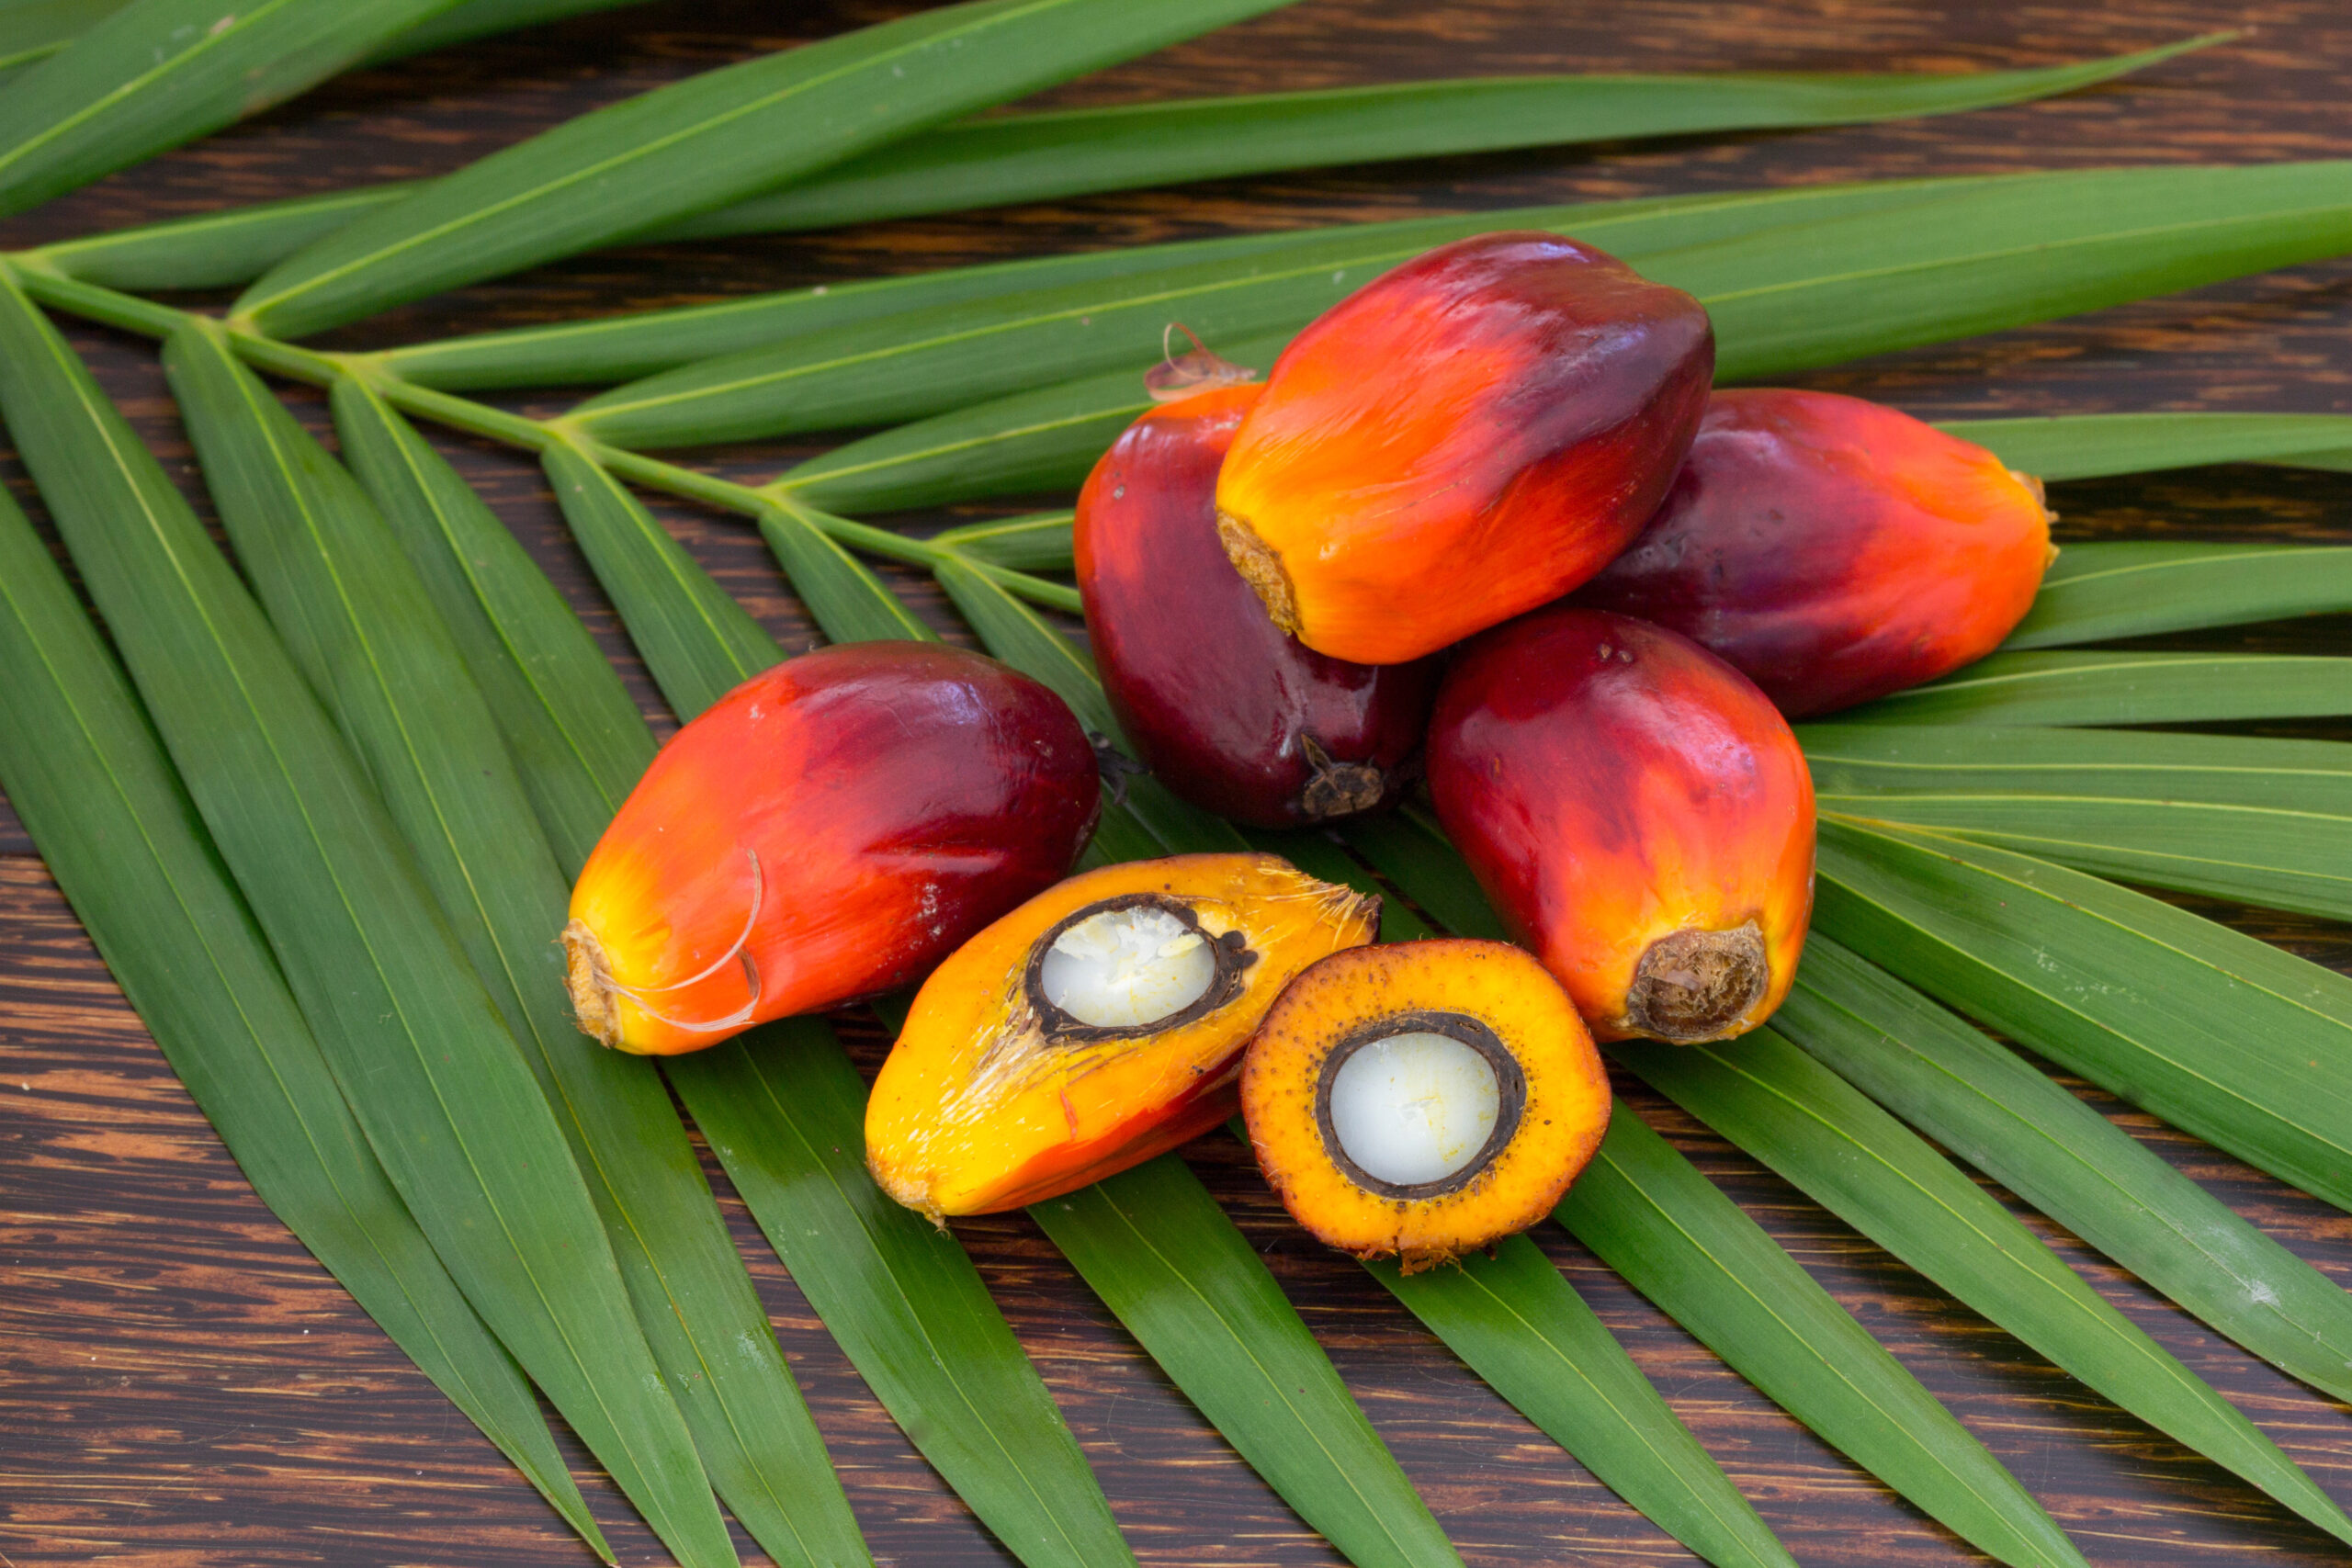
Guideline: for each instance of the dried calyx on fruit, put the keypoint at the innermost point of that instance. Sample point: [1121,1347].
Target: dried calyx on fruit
[1099,1024]
[1230,712]
[1639,815]
[1423,1099]
[1466,437]
[1834,550]
[827,830]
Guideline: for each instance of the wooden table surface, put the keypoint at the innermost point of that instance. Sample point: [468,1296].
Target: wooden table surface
[180,1383]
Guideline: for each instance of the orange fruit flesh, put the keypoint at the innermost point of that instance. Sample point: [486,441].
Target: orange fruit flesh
[1553,1095]
[992,1098]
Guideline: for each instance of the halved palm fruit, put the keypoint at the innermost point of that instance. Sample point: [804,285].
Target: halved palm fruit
[1097,1025]
[1423,1099]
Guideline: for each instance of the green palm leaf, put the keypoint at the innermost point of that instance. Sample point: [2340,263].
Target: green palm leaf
[1522,1327]
[1043,157]
[1979,261]
[619,348]
[2121,688]
[426,1060]
[158,73]
[2205,814]
[1039,542]
[1187,1285]
[785,1111]
[360,622]
[526,652]
[32,30]
[1042,440]
[480,18]
[1676,1238]
[2220,1034]
[2088,446]
[1988,1106]
[710,139]
[2099,593]
[209,250]
[1826,1137]
[1033,157]
[84,769]
[1789,280]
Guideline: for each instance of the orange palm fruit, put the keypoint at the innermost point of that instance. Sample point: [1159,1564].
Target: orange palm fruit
[1423,1099]
[1638,814]
[1834,550]
[828,830]
[1226,708]
[1097,1025]
[1463,438]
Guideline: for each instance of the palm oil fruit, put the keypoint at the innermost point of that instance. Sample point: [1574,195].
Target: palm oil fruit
[1224,707]
[1424,1099]
[1638,814]
[1834,550]
[827,830]
[1097,1025]
[1466,437]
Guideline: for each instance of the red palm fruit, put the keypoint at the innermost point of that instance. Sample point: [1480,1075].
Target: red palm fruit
[1231,712]
[1638,814]
[1834,550]
[831,828]
[1461,439]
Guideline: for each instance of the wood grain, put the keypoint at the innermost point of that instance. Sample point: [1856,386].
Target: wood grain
[180,1384]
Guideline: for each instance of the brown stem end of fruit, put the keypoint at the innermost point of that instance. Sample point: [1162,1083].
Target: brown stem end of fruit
[1337,789]
[595,1005]
[1694,985]
[1259,567]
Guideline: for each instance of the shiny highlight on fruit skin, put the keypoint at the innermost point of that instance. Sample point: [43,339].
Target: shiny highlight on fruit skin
[1638,814]
[1463,438]
[827,830]
[994,1098]
[1226,709]
[1834,550]
[1551,1092]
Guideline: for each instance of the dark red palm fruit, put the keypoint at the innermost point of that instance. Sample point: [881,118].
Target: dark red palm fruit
[1228,711]
[1638,814]
[1461,439]
[831,828]
[1834,550]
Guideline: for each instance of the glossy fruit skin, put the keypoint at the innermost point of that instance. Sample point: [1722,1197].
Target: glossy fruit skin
[984,1105]
[1463,438]
[1562,1106]
[1612,785]
[1834,550]
[897,797]
[1227,710]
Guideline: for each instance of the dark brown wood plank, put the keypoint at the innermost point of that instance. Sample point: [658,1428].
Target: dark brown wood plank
[181,1384]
